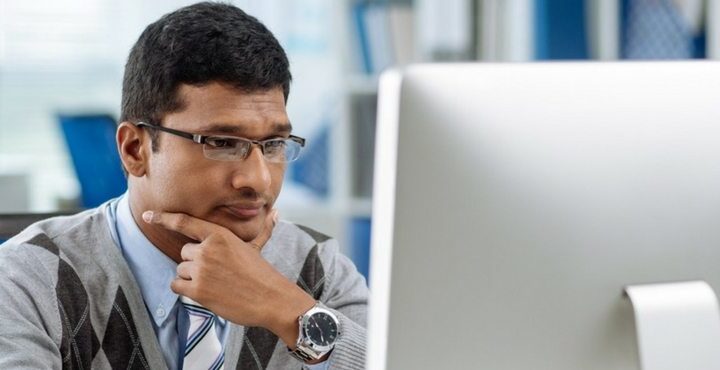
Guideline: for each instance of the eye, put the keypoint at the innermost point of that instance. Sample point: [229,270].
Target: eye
[274,146]
[220,142]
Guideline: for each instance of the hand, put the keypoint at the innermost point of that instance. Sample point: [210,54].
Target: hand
[230,278]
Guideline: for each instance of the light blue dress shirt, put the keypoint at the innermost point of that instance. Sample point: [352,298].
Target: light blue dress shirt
[154,271]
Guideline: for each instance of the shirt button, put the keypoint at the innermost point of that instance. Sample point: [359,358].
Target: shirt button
[160,312]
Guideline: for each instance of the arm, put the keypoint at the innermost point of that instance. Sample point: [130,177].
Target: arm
[27,313]
[345,292]
[256,294]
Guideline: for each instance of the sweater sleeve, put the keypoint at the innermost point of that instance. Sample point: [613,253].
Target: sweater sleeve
[346,292]
[28,313]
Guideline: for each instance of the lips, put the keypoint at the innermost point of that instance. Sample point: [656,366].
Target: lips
[244,210]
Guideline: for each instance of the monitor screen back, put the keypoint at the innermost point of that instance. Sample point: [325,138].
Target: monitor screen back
[514,202]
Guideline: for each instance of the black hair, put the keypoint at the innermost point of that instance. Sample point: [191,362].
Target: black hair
[198,44]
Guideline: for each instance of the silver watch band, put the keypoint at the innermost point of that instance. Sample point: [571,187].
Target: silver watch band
[300,354]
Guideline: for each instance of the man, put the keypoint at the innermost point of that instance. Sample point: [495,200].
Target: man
[190,268]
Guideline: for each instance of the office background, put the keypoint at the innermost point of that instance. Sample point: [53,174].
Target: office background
[61,65]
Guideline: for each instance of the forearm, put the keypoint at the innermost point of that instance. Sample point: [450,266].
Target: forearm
[285,312]
[349,351]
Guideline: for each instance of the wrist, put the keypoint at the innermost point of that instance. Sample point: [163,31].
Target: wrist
[318,329]
[285,320]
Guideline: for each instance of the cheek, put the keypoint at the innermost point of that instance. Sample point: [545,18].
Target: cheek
[182,182]
[188,183]
[277,174]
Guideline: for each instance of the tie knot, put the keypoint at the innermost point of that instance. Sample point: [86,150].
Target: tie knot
[203,349]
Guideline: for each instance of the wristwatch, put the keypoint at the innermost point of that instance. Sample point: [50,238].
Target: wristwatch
[319,330]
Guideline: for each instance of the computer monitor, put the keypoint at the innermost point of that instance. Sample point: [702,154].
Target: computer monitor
[515,202]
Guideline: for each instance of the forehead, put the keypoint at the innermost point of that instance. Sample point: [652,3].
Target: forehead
[223,109]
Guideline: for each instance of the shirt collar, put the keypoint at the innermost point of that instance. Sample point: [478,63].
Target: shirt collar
[153,270]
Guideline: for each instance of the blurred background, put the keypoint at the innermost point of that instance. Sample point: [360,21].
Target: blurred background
[61,67]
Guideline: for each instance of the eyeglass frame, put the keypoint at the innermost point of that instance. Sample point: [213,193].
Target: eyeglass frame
[202,139]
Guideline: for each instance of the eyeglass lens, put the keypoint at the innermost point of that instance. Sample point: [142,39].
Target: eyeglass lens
[233,149]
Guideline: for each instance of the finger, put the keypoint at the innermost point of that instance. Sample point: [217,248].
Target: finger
[189,251]
[265,234]
[184,270]
[190,226]
[181,286]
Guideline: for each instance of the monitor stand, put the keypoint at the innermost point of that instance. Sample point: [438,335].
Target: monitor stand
[678,325]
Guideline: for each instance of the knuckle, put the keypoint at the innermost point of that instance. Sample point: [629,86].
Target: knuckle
[181,221]
[223,235]
[185,253]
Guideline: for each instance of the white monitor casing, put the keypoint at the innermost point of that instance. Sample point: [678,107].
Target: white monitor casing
[514,202]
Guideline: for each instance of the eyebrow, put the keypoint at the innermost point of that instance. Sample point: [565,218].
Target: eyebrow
[277,128]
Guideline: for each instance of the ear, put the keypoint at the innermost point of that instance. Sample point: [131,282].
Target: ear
[134,148]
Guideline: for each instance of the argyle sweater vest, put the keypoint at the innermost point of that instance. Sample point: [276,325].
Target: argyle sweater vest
[70,301]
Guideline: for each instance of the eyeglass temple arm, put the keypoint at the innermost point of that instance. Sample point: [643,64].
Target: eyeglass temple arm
[194,137]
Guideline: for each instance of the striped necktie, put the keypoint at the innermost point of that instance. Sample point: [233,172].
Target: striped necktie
[202,348]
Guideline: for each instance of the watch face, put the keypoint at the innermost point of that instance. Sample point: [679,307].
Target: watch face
[321,329]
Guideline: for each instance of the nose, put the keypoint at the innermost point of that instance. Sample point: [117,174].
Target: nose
[252,172]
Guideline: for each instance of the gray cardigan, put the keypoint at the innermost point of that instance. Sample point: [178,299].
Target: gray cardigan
[69,300]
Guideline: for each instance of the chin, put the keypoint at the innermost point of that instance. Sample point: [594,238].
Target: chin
[246,235]
[246,231]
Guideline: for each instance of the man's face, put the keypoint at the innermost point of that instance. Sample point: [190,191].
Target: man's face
[235,194]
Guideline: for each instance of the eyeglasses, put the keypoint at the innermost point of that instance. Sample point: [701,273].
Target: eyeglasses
[233,148]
